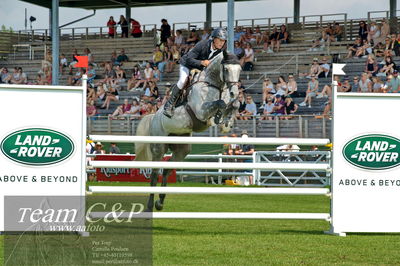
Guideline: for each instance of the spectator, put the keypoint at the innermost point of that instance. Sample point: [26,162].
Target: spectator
[73,61]
[268,109]
[179,39]
[268,89]
[314,69]
[191,40]
[166,60]
[281,86]
[311,92]
[291,87]
[238,34]
[111,27]
[377,84]
[124,26]
[39,80]
[279,106]
[394,83]
[113,59]
[91,109]
[338,32]
[157,74]
[248,37]
[379,49]
[283,37]
[90,93]
[136,76]
[356,85]
[389,66]
[365,84]
[63,63]
[205,35]
[290,107]
[165,31]
[101,91]
[167,93]
[135,109]
[112,95]
[109,75]
[274,39]
[327,34]
[316,46]
[151,92]
[122,110]
[248,56]
[242,107]
[353,50]
[176,56]
[327,90]
[394,45]
[324,68]
[5,77]
[232,149]
[114,149]
[136,28]
[158,56]
[266,42]
[258,35]
[88,53]
[238,50]
[122,57]
[76,80]
[251,108]
[385,30]
[327,111]
[370,66]
[363,30]
[346,86]
[98,149]
[120,76]
[148,76]
[374,33]
[91,74]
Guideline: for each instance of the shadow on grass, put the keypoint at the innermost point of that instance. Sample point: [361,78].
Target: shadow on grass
[302,232]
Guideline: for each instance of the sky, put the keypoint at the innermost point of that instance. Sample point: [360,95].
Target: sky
[13,15]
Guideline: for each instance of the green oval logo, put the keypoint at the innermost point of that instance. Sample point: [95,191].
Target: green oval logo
[373,152]
[37,146]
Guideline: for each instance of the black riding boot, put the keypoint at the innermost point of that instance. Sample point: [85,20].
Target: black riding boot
[170,104]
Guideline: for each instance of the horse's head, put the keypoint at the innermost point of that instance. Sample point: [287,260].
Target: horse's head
[231,73]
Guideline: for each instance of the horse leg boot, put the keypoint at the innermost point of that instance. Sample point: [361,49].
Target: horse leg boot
[173,99]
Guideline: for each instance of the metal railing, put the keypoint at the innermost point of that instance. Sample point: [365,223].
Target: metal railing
[379,14]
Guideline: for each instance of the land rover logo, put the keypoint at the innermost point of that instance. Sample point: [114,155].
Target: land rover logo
[37,146]
[373,152]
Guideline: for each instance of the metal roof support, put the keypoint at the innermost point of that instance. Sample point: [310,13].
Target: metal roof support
[55,41]
[128,15]
[393,7]
[208,14]
[296,11]
[393,18]
[77,20]
[231,19]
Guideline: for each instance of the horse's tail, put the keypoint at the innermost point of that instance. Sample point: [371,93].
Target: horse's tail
[142,150]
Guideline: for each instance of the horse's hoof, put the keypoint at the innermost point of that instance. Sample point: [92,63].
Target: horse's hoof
[159,206]
[148,210]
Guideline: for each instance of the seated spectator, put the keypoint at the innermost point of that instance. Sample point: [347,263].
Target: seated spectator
[19,77]
[268,89]
[389,67]
[316,46]
[273,39]
[73,61]
[377,84]
[363,31]
[179,39]
[114,149]
[258,35]
[251,108]
[365,84]
[379,49]
[346,86]
[122,57]
[90,93]
[327,90]
[338,32]
[39,80]
[354,49]
[5,76]
[176,56]
[101,92]
[248,55]
[314,69]
[168,59]
[151,92]
[385,31]
[98,149]
[394,45]
[113,58]
[63,63]
[157,56]
[371,66]
[374,33]
[327,108]
[365,50]
[136,28]
[112,95]
[248,37]
[265,41]
[291,87]
[111,27]
[191,40]
[109,75]
[281,86]
[148,76]
[136,76]
[268,109]
[283,37]
[238,34]
[90,109]
[238,50]
[122,110]
[88,53]
[242,107]
[311,92]
[76,80]
[47,76]
[324,68]
[394,82]
[205,35]
[135,109]
[242,89]
[279,106]
[328,34]
[355,86]
[290,107]
[157,74]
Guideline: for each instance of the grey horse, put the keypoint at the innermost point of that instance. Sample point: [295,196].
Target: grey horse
[212,91]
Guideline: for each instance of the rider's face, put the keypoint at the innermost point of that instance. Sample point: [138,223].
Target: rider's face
[218,43]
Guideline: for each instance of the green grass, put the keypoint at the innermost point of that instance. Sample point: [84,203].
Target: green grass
[261,242]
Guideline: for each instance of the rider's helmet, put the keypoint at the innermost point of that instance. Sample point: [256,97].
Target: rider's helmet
[219,33]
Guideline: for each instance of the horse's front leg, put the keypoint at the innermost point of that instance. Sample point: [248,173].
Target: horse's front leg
[158,151]
[209,109]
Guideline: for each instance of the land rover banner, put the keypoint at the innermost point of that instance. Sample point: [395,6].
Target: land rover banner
[42,140]
[366,177]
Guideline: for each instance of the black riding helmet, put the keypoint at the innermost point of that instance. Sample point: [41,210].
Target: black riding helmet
[219,33]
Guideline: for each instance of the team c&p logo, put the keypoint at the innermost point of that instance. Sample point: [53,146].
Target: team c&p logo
[37,146]
[373,152]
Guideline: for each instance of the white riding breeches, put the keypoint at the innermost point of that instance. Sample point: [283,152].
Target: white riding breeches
[183,75]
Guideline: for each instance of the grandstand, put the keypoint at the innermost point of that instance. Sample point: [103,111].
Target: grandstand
[28,49]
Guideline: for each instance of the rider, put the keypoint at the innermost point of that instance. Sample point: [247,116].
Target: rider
[198,57]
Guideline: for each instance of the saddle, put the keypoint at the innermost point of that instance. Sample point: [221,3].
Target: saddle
[194,77]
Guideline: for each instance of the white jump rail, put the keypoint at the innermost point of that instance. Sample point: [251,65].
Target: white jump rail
[208,140]
[210,166]
[215,215]
[209,190]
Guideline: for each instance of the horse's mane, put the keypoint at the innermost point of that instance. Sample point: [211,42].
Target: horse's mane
[230,58]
